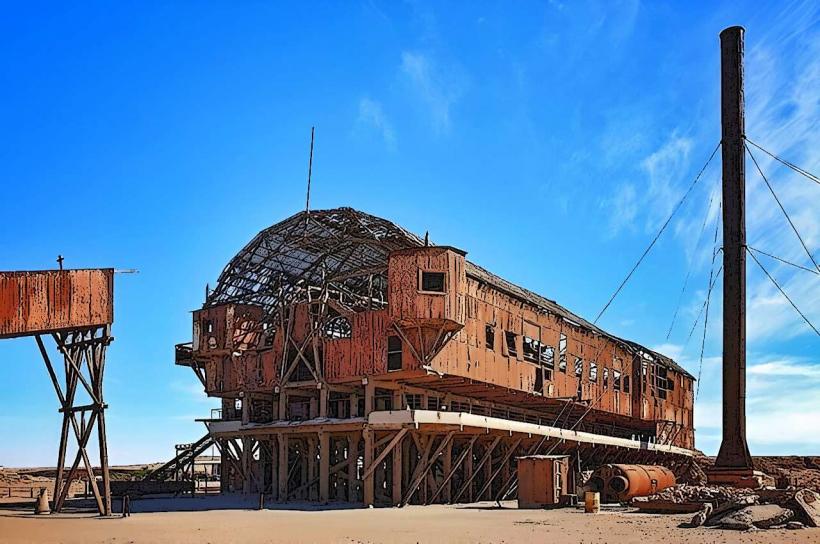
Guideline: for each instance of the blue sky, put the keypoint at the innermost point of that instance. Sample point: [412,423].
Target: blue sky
[548,139]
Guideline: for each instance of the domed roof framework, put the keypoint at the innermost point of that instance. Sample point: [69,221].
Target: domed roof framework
[339,254]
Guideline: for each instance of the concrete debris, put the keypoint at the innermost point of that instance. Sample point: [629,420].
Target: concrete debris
[737,508]
[691,474]
[795,525]
[694,493]
[731,506]
[760,516]
[807,503]
[701,517]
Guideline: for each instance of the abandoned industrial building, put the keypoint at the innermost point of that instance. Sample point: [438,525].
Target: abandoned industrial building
[359,362]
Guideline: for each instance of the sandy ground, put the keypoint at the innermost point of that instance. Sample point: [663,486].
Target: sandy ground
[220,519]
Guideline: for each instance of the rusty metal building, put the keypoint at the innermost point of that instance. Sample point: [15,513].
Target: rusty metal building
[357,362]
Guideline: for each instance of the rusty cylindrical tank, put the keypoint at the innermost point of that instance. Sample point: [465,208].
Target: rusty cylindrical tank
[623,482]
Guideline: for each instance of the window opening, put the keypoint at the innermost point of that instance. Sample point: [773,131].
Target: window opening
[432,282]
[393,353]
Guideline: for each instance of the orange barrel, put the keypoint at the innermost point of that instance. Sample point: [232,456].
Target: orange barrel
[592,502]
[624,482]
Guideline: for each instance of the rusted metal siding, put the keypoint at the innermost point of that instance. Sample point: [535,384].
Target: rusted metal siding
[364,353]
[408,303]
[468,356]
[49,300]
[228,327]
[236,358]
[542,479]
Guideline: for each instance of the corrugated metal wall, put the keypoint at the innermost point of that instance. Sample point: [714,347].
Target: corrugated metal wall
[39,301]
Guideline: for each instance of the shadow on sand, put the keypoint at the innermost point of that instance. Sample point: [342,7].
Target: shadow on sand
[228,501]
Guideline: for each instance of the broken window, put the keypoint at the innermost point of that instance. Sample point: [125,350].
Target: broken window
[269,334]
[593,371]
[626,384]
[606,378]
[489,337]
[616,380]
[548,361]
[511,337]
[548,356]
[432,282]
[531,348]
[393,353]
[579,367]
[338,327]
[663,384]
[209,326]
[562,353]
[539,380]
[643,375]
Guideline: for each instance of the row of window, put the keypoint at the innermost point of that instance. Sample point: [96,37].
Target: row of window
[544,355]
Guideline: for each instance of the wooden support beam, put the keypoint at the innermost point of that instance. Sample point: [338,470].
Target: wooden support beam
[425,464]
[447,467]
[274,466]
[246,454]
[465,453]
[353,440]
[324,467]
[481,463]
[510,451]
[283,440]
[323,393]
[396,475]
[368,482]
[369,397]
[468,473]
[354,405]
[395,440]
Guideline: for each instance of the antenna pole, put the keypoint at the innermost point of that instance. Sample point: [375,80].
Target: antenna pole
[310,170]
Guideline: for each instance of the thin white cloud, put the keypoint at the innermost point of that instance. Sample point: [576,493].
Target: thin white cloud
[437,91]
[664,169]
[783,108]
[371,114]
[621,208]
[786,367]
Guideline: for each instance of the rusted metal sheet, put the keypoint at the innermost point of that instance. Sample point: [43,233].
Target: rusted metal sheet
[409,302]
[364,353]
[34,302]
[542,479]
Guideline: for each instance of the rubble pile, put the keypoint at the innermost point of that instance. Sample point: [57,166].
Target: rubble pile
[787,470]
[685,494]
[736,508]
[798,471]
[691,474]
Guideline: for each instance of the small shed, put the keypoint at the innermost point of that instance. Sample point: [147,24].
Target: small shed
[542,480]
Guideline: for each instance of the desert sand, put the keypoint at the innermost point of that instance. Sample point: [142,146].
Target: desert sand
[221,519]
